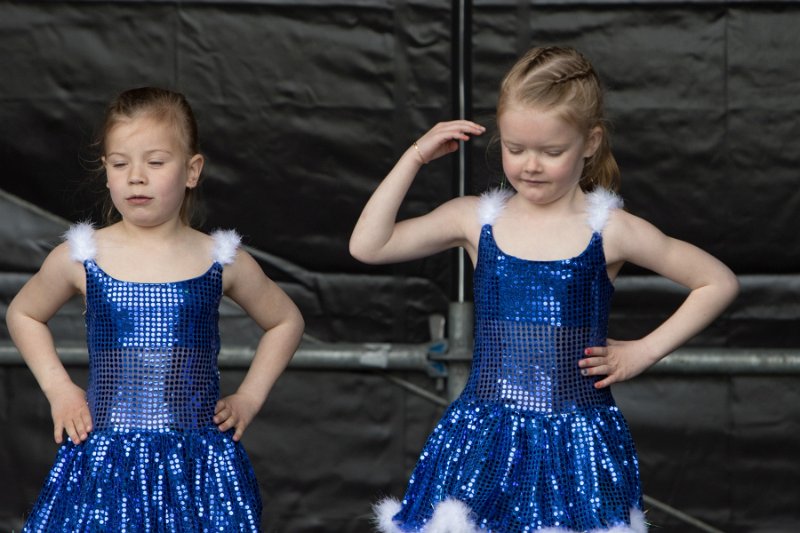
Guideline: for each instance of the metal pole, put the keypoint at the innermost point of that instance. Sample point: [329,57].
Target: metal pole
[461,63]
[459,355]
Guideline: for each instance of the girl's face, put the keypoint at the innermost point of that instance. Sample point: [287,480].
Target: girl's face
[543,154]
[148,170]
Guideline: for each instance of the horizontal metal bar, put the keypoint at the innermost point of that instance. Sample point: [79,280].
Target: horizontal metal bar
[415,357]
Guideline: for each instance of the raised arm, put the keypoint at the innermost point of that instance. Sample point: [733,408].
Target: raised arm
[712,288]
[59,279]
[379,238]
[272,309]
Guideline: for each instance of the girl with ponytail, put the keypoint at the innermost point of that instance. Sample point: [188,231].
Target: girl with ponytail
[536,442]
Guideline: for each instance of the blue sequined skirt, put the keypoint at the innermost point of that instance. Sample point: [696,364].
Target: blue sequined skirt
[517,471]
[149,481]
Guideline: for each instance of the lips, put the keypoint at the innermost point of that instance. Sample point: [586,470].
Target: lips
[138,199]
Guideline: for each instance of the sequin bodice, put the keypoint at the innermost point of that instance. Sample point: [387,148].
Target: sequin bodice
[533,320]
[152,351]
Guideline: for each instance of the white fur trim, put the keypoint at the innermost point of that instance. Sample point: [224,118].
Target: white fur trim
[491,204]
[453,516]
[449,516]
[383,512]
[599,204]
[226,242]
[80,238]
[638,525]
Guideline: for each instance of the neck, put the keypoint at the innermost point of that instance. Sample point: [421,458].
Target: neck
[164,232]
[569,203]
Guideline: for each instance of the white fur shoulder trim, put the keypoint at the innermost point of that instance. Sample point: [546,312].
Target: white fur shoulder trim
[80,238]
[491,204]
[226,243]
[599,204]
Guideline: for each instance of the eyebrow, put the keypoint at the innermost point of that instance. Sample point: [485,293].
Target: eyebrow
[147,152]
[561,146]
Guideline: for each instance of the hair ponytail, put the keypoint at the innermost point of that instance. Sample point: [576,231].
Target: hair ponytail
[601,169]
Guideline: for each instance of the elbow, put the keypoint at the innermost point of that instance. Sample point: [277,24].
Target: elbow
[11,315]
[362,254]
[731,286]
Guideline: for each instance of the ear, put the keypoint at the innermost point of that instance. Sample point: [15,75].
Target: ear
[593,141]
[103,160]
[193,170]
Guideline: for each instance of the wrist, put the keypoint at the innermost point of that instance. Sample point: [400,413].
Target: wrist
[423,160]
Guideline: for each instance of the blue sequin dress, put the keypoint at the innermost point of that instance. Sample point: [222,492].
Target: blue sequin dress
[155,461]
[530,445]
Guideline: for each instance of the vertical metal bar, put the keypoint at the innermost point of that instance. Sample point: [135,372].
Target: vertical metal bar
[461,62]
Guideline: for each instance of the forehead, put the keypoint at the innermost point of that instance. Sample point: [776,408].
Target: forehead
[526,124]
[144,132]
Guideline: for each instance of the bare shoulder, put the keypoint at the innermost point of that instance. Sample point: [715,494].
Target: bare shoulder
[60,271]
[627,236]
[459,207]
[242,271]
[464,214]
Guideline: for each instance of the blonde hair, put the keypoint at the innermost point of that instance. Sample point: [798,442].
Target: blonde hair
[166,106]
[559,77]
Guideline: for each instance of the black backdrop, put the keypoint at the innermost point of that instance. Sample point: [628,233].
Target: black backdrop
[304,105]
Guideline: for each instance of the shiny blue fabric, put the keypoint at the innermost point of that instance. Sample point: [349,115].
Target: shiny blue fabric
[530,443]
[154,462]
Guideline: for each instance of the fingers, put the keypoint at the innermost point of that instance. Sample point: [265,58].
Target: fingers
[222,412]
[232,422]
[77,428]
[86,418]
[58,431]
[443,138]
[603,383]
[596,363]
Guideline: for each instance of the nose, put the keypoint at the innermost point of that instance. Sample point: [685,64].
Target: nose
[137,175]
[532,164]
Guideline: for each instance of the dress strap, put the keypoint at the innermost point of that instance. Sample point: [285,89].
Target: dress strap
[226,243]
[80,238]
[491,204]
[599,204]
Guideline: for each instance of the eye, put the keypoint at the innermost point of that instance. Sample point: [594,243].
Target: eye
[118,164]
[554,153]
[156,163]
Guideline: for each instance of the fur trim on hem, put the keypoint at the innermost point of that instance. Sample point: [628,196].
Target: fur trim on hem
[491,204]
[449,516]
[80,238]
[226,242]
[383,512]
[599,204]
[454,516]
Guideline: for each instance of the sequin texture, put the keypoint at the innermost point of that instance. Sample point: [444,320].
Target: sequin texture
[531,443]
[154,461]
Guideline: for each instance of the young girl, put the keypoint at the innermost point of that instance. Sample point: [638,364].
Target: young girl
[535,442]
[151,446]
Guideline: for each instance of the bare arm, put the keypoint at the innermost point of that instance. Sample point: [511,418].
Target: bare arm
[274,311]
[379,238]
[59,279]
[713,287]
